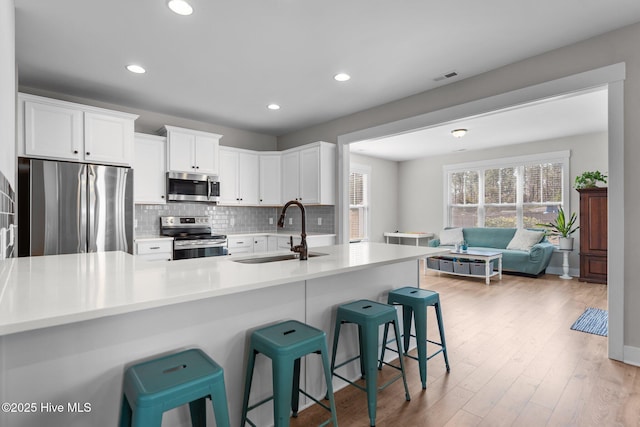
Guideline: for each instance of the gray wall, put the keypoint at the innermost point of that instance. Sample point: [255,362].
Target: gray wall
[244,219]
[610,48]
[150,122]
[7,117]
[384,195]
[422,185]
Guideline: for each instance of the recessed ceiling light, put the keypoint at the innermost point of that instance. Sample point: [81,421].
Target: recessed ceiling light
[459,133]
[181,7]
[273,107]
[342,77]
[136,69]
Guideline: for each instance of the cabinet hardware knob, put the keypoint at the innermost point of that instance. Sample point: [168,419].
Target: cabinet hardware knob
[88,153]
[162,197]
[75,151]
[197,167]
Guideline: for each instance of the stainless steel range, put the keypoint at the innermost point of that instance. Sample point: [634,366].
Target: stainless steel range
[192,237]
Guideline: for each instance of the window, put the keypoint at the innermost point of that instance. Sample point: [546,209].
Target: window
[359,203]
[515,192]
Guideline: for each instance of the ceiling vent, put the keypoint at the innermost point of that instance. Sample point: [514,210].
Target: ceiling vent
[446,76]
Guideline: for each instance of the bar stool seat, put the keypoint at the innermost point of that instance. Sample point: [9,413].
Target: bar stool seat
[153,387]
[414,303]
[285,343]
[369,316]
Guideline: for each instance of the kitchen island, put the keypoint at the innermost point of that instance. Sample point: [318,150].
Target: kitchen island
[70,324]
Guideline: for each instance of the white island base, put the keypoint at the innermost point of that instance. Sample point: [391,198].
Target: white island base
[82,363]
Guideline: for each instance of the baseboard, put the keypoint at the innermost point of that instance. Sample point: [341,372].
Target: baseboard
[631,355]
[573,272]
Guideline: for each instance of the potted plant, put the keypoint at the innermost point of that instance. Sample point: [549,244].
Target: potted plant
[589,179]
[563,228]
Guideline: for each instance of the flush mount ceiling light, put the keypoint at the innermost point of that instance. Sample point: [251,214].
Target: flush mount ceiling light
[136,69]
[458,133]
[181,7]
[273,107]
[342,77]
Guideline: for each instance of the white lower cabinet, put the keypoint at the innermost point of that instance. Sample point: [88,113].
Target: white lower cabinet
[260,244]
[154,249]
[240,244]
[247,243]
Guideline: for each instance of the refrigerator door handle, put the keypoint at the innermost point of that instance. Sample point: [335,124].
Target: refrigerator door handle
[82,222]
[91,220]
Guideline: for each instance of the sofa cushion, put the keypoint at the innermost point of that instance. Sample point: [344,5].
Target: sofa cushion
[451,236]
[523,239]
[488,237]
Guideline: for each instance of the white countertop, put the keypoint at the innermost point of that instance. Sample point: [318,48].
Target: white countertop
[39,292]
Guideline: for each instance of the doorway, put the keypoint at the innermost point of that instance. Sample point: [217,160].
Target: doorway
[613,78]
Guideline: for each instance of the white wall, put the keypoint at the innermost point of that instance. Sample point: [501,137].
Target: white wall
[384,195]
[421,190]
[7,91]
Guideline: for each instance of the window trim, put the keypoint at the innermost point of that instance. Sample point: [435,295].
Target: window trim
[516,161]
[365,170]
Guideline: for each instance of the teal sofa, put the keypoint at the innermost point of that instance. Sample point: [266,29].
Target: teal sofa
[530,263]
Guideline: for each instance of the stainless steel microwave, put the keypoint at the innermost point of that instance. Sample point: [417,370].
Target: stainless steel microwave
[190,187]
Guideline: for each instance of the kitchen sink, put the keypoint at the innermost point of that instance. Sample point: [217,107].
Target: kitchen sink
[274,258]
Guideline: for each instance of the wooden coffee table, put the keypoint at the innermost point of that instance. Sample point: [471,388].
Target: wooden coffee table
[475,255]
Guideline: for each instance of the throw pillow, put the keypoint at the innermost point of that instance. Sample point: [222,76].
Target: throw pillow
[523,240]
[451,236]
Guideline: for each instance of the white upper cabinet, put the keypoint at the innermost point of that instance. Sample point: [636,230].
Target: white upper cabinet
[108,139]
[308,174]
[149,168]
[238,176]
[192,151]
[270,179]
[290,176]
[54,129]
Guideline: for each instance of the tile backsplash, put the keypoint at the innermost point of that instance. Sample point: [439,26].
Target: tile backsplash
[235,219]
[8,227]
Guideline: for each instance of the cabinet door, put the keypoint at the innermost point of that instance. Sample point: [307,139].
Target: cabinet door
[149,170]
[53,131]
[206,154]
[108,139]
[228,177]
[290,176]
[260,244]
[182,152]
[310,175]
[270,180]
[248,178]
[272,243]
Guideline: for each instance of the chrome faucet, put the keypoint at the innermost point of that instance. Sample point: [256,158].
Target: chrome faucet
[302,247]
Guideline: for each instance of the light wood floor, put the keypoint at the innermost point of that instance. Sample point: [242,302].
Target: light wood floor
[514,362]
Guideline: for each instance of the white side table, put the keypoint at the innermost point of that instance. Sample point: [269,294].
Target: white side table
[565,263]
[417,236]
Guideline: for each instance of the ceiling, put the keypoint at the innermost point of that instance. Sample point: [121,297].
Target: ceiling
[229,59]
[561,116]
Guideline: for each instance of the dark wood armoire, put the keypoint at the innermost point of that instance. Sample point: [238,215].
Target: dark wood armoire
[593,235]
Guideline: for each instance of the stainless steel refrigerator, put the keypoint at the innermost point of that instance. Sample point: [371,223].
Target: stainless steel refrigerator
[66,208]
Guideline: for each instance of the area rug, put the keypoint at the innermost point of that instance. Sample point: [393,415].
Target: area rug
[593,321]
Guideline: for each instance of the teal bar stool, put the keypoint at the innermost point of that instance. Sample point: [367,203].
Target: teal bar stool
[285,343]
[153,387]
[369,316]
[414,303]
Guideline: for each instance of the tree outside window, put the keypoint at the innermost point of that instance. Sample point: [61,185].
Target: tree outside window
[520,193]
